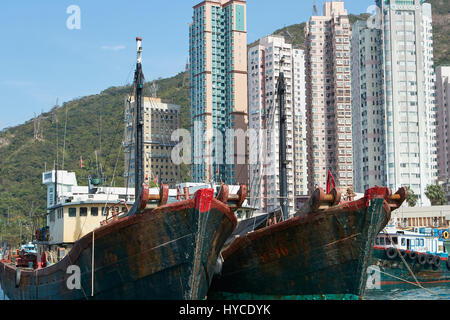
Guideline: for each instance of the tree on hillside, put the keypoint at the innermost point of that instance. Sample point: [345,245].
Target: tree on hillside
[436,194]
[412,198]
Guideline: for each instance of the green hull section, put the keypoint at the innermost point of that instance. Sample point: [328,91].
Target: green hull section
[249,296]
[392,273]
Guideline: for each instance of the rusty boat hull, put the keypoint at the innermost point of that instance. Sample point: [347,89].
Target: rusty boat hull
[322,255]
[168,253]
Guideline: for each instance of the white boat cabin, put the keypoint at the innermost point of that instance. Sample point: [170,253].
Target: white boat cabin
[412,241]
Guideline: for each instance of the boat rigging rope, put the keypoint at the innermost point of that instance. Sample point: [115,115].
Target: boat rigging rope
[64,144]
[108,193]
[92,263]
[201,225]
[411,283]
[407,265]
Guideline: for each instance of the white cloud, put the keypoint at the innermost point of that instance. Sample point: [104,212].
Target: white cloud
[113,48]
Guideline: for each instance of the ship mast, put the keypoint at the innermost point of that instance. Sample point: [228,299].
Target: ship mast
[281,88]
[139,143]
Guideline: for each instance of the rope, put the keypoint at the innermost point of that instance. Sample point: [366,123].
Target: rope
[407,265]
[92,264]
[411,283]
[199,246]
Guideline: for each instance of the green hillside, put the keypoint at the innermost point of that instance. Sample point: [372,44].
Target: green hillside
[95,124]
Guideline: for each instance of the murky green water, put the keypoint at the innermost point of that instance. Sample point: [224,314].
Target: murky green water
[439,293]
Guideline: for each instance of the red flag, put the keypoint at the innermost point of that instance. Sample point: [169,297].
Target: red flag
[81,162]
[330,182]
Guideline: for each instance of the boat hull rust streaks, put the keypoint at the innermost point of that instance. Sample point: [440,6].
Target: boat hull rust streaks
[156,254]
[319,255]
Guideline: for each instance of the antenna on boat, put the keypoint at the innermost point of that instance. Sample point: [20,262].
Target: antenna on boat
[281,90]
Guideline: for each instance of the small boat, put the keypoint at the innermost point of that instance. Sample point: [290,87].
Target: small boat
[155,250]
[401,258]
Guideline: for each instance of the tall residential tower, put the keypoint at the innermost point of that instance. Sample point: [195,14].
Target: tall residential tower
[218,77]
[400,151]
[328,97]
[443,121]
[264,68]
[368,112]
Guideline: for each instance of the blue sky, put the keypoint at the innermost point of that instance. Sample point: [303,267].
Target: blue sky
[42,60]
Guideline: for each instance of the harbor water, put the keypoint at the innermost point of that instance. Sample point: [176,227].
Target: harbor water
[437,293]
[2,295]
[442,293]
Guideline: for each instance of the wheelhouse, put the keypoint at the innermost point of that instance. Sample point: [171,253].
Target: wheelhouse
[411,242]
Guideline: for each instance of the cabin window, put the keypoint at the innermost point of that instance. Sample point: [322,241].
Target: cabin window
[94,211]
[395,240]
[403,241]
[72,212]
[83,212]
[124,209]
[377,240]
[382,241]
[417,242]
[421,242]
[388,241]
[105,211]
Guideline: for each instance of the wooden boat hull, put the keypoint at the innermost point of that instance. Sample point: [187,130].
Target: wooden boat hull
[393,273]
[324,255]
[166,253]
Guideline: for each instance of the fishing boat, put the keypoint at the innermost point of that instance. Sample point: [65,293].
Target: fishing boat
[155,250]
[322,252]
[406,259]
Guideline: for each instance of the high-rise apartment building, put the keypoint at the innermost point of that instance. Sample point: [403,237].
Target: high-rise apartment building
[328,97]
[368,112]
[264,68]
[443,121]
[405,143]
[160,120]
[218,77]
